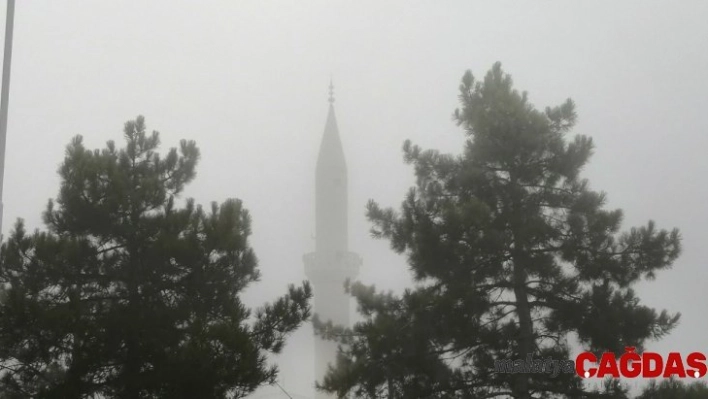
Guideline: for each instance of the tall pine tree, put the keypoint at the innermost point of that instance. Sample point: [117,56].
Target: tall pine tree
[129,295]
[512,252]
[674,389]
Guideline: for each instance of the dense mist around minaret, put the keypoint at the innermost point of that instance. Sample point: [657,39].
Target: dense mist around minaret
[331,264]
[248,82]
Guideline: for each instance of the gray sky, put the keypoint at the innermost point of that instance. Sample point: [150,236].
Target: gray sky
[248,81]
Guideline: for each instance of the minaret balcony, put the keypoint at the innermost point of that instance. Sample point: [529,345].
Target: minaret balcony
[332,267]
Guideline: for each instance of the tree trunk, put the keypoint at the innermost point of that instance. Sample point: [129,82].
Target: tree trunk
[526,339]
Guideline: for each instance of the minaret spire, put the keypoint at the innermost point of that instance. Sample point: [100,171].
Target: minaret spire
[331,91]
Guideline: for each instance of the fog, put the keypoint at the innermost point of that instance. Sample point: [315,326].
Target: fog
[248,81]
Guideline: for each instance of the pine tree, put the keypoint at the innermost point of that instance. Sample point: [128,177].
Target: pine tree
[130,295]
[512,252]
[674,389]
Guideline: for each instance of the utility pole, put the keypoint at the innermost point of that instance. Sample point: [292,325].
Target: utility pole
[5,96]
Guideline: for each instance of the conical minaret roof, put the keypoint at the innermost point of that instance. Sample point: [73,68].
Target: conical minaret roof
[331,156]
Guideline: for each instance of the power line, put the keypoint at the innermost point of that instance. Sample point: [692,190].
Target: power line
[284,391]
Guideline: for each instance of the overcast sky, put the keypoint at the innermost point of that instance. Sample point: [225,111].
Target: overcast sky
[248,81]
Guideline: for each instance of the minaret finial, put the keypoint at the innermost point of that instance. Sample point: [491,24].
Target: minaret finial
[331,91]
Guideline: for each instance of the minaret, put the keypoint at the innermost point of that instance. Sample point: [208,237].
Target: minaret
[331,264]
